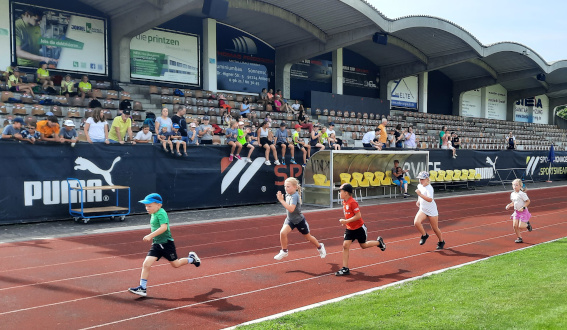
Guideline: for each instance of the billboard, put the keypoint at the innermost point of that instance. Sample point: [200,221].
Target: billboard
[244,63]
[471,103]
[496,98]
[165,56]
[313,70]
[532,110]
[66,41]
[4,34]
[404,92]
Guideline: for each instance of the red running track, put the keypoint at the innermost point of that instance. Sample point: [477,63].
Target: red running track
[80,282]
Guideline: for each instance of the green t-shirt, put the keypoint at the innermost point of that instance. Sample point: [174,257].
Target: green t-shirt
[158,219]
[41,73]
[27,37]
[241,137]
[12,81]
[323,138]
[441,138]
[295,137]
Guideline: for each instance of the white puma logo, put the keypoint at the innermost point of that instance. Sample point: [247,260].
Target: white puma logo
[84,164]
[489,161]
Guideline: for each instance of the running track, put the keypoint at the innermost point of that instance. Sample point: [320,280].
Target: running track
[80,282]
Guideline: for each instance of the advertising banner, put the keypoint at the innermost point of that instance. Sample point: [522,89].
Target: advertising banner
[313,70]
[66,41]
[360,77]
[160,55]
[496,98]
[4,34]
[244,62]
[404,92]
[532,110]
[471,103]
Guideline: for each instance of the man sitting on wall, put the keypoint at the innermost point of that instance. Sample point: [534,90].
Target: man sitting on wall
[511,141]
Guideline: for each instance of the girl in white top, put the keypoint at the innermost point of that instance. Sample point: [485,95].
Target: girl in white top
[96,128]
[521,216]
[427,210]
[266,141]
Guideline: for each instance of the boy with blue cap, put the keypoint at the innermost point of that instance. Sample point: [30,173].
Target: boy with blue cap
[162,243]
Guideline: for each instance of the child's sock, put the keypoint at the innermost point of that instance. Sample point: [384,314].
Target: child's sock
[190,260]
[143,283]
[284,250]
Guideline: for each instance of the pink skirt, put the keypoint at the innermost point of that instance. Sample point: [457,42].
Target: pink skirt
[523,216]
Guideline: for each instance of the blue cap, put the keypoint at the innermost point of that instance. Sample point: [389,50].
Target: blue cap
[152,198]
[332,123]
[18,120]
[49,113]
[175,126]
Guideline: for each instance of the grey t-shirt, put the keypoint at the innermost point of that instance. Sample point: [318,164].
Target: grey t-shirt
[294,217]
[206,136]
[10,130]
[281,136]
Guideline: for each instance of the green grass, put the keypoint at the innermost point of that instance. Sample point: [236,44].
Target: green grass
[521,290]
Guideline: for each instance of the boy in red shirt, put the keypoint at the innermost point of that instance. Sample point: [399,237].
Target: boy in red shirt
[355,228]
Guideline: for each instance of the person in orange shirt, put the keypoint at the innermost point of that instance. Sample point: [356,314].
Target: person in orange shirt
[49,129]
[383,137]
[355,228]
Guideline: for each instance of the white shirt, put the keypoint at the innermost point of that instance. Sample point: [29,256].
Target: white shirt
[428,208]
[295,106]
[369,137]
[96,130]
[519,198]
[143,137]
[331,131]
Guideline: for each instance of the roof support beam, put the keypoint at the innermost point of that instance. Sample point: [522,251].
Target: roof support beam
[525,93]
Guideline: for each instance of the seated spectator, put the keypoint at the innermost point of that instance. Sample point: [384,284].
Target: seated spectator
[266,141]
[295,107]
[227,119]
[369,140]
[49,129]
[10,69]
[510,141]
[446,144]
[270,96]
[68,86]
[163,138]
[244,108]
[300,145]
[410,138]
[30,134]
[144,135]
[68,134]
[163,121]
[192,134]
[455,141]
[15,84]
[242,138]
[398,178]
[206,131]
[331,130]
[176,138]
[263,95]
[278,103]
[121,125]
[231,139]
[85,88]
[223,104]
[253,135]
[44,79]
[399,137]
[304,121]
[333,144]
[96,128]
[281,139]
[14,130]
[316,136]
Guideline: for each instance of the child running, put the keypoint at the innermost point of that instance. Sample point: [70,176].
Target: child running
[521,216]
[427,210]
[294,219]
[355,228]
[162,243]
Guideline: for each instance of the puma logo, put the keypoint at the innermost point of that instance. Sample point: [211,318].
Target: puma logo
[493,163]
[84,164]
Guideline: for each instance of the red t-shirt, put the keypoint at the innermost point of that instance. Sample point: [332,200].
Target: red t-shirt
[350,208]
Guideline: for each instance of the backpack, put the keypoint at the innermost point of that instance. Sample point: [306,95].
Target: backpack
[150,121]
[178,92]
[125,104]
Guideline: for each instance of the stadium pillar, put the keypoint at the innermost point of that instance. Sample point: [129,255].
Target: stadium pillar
[338,71]
[210,54]
[283,78]
[423,86]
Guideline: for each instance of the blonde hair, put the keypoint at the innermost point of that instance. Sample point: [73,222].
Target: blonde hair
[296,184]
[521,184]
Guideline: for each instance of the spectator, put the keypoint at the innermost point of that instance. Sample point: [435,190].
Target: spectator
[281,140]
[315,141]
[243,140]
[49,129]
[278,103]
[121,125]
[85,87]
[304,121]
[96,127]
[455,140]
[227,118]
[510,141]
[383,134]
[441,135]
[192,135]
[68,86]
[9,70]
[266,138]
[164,121]
[399,137]
[410,138]
[68,134]
[30,134]
[398,178]
[253,135]
[231,140]
[331,130]
[369,139]
[447,144]
[263,94]
[223,104]
[206,131]
[14,130]
[144,135]
[179,119]
[244,108]
[301,145]
[269,120]
[151,122]
[333,144]
[295,107]
[43,77]
[163,138]
[324,140]
[15,84]
[175,137]
[27,37]
[270,96]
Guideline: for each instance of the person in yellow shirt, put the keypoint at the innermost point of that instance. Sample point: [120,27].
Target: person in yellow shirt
[85,88]
[68,86]
[43,77]
[27,35]
[383,137]
[120,126]
[15,83]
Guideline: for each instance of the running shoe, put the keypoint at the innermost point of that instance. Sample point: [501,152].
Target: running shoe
[343,271]
[231,158]
[196,259]
[292,161]
[238,156]
[283,161]
[529,226]
[322,251]
[267,162]
[248,160]
[281,255]
[139,291]
[382,245]
[185,154]
[423,239]
[440,245]
[519,240]
[277,162]
[407,195]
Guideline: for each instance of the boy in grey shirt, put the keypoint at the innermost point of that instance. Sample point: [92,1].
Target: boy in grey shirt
[206,131]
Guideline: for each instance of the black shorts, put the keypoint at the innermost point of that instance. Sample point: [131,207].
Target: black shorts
[265,140]
[206,142]
[299,147]
[14,89]
[302,226]
[359,234]
[278,144]
[166,250]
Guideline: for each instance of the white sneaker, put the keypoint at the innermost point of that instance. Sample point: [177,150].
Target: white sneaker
[322,251]
[248,160]
[267,162]
[277,162]
[280,255]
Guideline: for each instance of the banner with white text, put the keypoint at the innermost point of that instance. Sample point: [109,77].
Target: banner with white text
[404,92]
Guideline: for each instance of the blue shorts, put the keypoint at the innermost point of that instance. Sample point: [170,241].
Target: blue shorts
[397,182]
[302,226]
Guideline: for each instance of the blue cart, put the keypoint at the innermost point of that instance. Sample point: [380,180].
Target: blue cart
[86,213]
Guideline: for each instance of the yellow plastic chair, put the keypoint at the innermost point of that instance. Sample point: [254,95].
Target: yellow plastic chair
[464,174]
[433,176]
[378,176]
[362,181]
[457,175]
[441,176]
[345,178]
[387,182]
[449,176]
[369,176]
[321,180]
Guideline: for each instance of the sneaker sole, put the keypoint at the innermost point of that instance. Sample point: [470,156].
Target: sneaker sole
[196,259]
[143,294]
[382,245]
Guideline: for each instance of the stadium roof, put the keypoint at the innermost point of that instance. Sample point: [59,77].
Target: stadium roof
[303,29]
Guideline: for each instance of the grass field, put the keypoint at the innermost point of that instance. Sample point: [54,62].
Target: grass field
[525,289]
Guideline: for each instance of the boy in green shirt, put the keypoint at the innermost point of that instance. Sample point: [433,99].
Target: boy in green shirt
[300,145]
[242,139]
[162,243]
